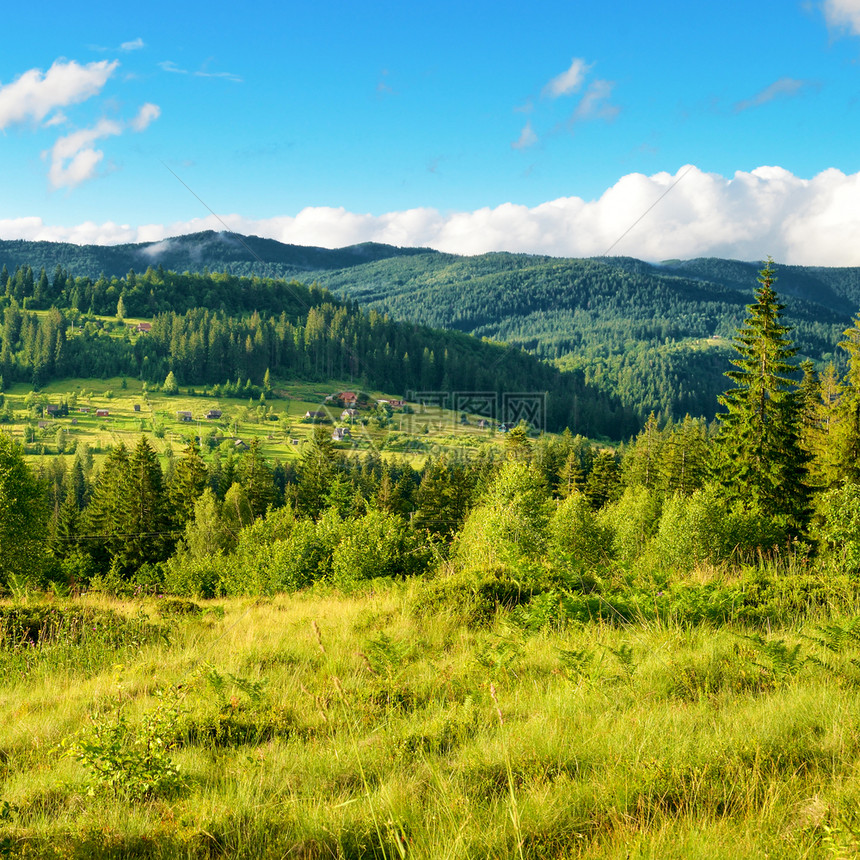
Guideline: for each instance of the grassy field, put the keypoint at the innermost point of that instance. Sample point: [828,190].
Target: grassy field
[277,424]
[371,725]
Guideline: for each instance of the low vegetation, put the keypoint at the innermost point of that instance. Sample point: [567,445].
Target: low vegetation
[383,724]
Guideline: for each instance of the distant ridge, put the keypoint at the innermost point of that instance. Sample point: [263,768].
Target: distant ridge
[239,255]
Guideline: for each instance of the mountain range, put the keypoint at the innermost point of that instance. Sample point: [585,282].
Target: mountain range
[656,335]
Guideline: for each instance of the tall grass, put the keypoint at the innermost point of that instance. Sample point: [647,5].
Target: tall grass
[326,725]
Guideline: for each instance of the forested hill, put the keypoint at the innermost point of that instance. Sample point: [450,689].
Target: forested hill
[213,328]
[218,252]
[654,336]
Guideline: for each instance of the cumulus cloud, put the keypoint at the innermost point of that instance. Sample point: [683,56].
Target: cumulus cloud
[569,81]
[783,88]
[526,139]
[843,14]
[34,94]
[748,216]
[74,158]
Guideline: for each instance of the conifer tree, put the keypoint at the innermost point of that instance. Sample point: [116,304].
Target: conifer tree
[189,479]
[760,461]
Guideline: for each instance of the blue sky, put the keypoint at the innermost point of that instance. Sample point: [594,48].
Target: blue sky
[656,130]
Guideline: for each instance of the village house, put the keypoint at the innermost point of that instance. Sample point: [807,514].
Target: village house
[184,416]
[213,414]
[144,327]
[101,413]
[341,434]
[347,414]
[314,416]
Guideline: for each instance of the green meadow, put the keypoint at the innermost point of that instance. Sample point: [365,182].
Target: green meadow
[389,723]
[277,422]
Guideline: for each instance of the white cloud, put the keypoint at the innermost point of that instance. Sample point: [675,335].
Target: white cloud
[569,81]
[526,139]
[33,95]
[133,45]
[147,114]
[766,211]
[74,158]
[843,14]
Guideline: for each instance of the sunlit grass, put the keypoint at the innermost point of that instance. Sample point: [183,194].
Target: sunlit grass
[386,733]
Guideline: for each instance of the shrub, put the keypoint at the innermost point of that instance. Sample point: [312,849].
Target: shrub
[377,544]
[576,537]
[510,525]
[840,525]
[130,760]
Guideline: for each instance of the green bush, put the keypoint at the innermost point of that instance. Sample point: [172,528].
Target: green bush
[133,761]
[510,524]
[377,544]
[840,525]
[576,537]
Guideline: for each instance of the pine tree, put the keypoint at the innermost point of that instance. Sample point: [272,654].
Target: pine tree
[760,461]
[189,479]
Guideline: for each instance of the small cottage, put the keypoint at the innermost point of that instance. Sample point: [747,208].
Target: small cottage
[102,413]
[341,434]
[184,416]
[213,414]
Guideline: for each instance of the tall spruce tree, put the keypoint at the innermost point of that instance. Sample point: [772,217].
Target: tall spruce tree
[760,461]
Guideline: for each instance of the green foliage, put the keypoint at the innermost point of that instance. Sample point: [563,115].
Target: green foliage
[576,537]
[706,528]
[170,385]
[132,761]
[510,523]
[631,521]
[378,544]
[22,515]
[839,509]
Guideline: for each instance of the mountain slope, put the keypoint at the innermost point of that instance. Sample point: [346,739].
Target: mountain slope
[657,336]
